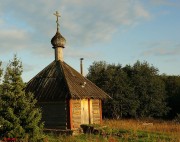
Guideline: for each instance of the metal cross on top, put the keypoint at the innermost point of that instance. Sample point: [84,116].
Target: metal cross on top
[57,15]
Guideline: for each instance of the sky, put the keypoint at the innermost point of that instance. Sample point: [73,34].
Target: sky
[115,31]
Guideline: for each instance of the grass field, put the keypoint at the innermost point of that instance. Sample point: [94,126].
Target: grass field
[127,130]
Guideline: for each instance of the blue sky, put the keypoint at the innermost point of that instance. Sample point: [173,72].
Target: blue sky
[116,31]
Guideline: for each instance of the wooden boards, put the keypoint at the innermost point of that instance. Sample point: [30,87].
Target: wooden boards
[75,113]
[85,111]
[54,115]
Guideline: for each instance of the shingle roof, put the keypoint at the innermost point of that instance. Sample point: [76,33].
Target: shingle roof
[58,80]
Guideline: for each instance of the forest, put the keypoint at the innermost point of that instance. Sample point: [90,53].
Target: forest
[137,91]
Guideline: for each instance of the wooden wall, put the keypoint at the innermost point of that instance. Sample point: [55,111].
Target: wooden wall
[85,111]
[57,115]
[54,114]
[95,111]
[75,113]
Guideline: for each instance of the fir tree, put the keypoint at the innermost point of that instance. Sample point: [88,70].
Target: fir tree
[19,116]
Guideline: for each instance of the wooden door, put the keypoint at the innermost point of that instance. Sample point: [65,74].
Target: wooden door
[84,111]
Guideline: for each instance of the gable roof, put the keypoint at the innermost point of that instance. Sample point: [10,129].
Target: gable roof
[58,80]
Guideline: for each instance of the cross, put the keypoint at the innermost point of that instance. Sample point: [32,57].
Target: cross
[57,15]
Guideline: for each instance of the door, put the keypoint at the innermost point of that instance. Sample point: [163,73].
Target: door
[84,111]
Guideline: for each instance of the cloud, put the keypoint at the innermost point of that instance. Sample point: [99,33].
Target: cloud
[73,53]
[28,67]
[166,48]
[31,25]
[1,22]
[166,3]
[12,40]
[92,21]
[13,34]
[140,11]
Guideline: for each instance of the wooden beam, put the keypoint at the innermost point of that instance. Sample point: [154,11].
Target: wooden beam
[100,107]
[70,106]
[89,111]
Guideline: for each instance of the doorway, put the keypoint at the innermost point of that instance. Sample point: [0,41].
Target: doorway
[84,111]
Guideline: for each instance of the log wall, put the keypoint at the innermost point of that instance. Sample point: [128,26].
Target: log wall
[54,115]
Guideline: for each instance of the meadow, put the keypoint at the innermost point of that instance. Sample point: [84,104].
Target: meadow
[126,130]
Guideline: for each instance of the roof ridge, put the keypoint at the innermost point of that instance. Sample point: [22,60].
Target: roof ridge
[60,63]
[84,78]
[71,93]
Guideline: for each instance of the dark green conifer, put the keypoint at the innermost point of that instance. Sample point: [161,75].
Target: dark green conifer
[19,116]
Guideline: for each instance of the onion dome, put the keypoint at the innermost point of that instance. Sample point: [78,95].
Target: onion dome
[58,40]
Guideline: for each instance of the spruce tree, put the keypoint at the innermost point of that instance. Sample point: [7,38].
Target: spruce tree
[19,115]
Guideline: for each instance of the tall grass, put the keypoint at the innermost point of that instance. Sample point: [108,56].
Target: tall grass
[169,128]
[129,130]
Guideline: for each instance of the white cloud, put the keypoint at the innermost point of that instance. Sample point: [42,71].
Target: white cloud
[28,67]
[13,40]
[14,34]
[91,22]
[163,48]
[82,22]
[141,12]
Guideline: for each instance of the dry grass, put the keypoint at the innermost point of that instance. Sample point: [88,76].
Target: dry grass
[164,127]
[129,130]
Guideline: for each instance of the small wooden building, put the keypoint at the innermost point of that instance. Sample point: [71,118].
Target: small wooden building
[66,97]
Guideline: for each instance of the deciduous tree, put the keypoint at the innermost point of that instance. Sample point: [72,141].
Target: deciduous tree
[149,89]
[113,80]
[137,91]
[172,84]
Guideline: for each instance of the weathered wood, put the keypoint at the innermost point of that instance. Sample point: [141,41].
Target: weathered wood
[100,107]
[91,111]
[64,101]
[96,111]
[54,114]
[75,113]
[84,111]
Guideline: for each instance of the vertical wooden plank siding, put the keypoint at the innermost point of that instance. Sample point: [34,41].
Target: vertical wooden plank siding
[100,107]
[76,113]
[96,111]
[84,111]
[91,111]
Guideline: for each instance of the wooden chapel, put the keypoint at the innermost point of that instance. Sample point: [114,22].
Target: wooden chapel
[66,97]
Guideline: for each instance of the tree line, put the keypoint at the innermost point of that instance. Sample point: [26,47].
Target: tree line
[138,91]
